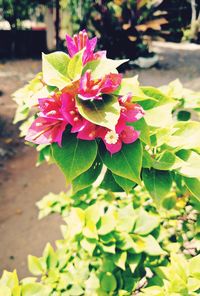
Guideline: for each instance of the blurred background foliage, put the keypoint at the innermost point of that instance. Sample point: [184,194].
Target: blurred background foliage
[125,28]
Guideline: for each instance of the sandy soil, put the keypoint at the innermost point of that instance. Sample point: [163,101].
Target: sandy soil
[22,184]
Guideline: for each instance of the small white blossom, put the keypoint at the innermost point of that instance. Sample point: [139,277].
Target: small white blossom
[111,137]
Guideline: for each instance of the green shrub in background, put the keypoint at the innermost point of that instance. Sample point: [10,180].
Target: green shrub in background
[122,26]
[126,28]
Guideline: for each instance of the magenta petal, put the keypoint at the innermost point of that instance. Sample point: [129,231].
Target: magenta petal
[72,49]
[46,131]
[89,89]
[111,82]
[114,148]
[133,114]
[88,132]
[92,43]
[68,107]
[121,125]
[129,135]
[78,125]
[89,49]
[51,108]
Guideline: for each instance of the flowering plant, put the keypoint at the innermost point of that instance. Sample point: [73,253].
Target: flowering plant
[84,99]
[132,155]
[87,115]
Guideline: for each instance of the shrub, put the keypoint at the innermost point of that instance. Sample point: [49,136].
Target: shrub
[132,157]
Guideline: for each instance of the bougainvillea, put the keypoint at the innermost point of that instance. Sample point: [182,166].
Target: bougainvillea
[65,107]
[132,157]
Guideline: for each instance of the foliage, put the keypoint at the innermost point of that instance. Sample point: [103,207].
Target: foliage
[132,24]
[115,245]
[123,26]
[15,11]
[132,155]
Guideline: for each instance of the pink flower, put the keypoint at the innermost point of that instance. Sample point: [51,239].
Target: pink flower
[51,107]
[50,124]
[46,130]
[92,89]
[113,140]
[81,40]
[89,132]
[71,114]
[130,112]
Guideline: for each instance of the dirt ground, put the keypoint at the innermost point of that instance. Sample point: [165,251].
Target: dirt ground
[22,184]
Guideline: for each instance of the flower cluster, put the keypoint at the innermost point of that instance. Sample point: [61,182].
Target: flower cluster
[60,109]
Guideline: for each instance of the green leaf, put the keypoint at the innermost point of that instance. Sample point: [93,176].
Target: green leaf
[165,162]
[194,264]
[120,260]
[169,202]
[75,66]
[143,128]
[186,135]
[190,166]
[103,112]
[76,290]
[160,116]
[108,248]
[75,222]
[126,219]
[5,291]
[124,183]
[154,291]
[90,230]
[87,178]
[108,282]
[9,279]
[155,93]
[131,85]
[109,183]
[50,256]
[174,89]
[133,261]
[158,183]
[147,160]
[88,245]
[162,135]
[193,186]
[35,265]
[102,67]
[127,162]
[145,222]
[108,223]
[92,283]
[54,68]
[94,212]
[44,154]
[75,156]
[35,289]
[152,247]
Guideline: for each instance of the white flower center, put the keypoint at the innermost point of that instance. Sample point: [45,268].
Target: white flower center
[111,137]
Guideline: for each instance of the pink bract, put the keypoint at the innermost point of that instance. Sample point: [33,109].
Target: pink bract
[130,112]
[92,89]
[80,41]
[71,114]
[113,140]
[46,130]
[50,124]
